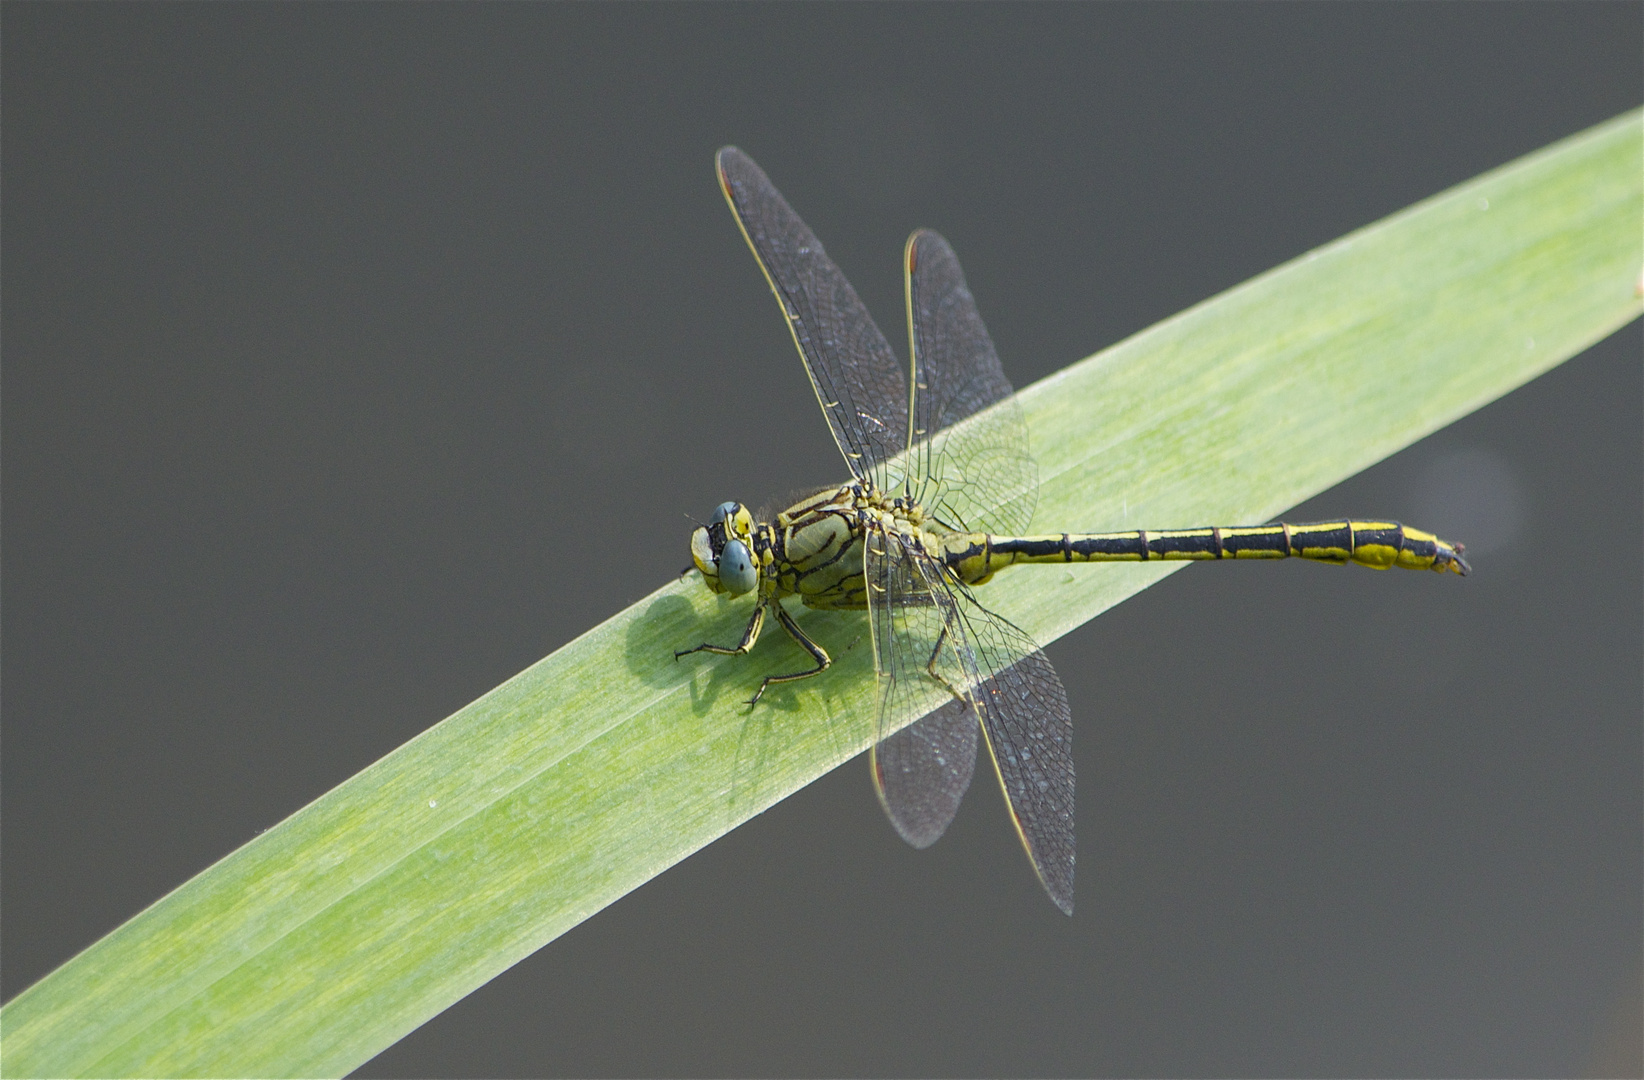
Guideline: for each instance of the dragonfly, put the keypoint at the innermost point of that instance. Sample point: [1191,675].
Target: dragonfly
[941,493]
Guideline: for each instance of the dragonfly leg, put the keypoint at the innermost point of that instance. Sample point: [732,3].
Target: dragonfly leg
[818,653]
[930,666]
[749,636]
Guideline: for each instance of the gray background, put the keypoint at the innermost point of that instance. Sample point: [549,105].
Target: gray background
[356,357]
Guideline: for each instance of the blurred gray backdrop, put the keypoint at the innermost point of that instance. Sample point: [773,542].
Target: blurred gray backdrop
[358,356]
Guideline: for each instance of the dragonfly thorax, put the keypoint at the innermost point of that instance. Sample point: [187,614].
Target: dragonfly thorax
[812,549]
[733,551]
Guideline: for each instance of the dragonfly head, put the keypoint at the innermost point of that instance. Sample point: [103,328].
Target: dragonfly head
[723,550]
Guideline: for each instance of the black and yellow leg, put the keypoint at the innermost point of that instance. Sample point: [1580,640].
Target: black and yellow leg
[749,636]
[818,653]
[930,666]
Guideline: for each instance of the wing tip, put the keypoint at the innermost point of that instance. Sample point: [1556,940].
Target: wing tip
[917,834]
[727,155]
[1059,890]
[931,241]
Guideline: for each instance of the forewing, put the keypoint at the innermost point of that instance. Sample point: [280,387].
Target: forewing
[856,376]
[920,772]
[1030,733]
[982,478]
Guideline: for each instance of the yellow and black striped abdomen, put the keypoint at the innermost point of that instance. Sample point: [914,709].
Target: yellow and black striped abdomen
[1376,544]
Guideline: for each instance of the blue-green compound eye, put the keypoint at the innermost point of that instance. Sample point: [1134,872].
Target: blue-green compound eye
[722,511]
[736,568]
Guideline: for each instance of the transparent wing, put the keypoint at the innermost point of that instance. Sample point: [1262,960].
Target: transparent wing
[1030,733]
[982,477]
[940,651]
[922,771]
[856,376]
